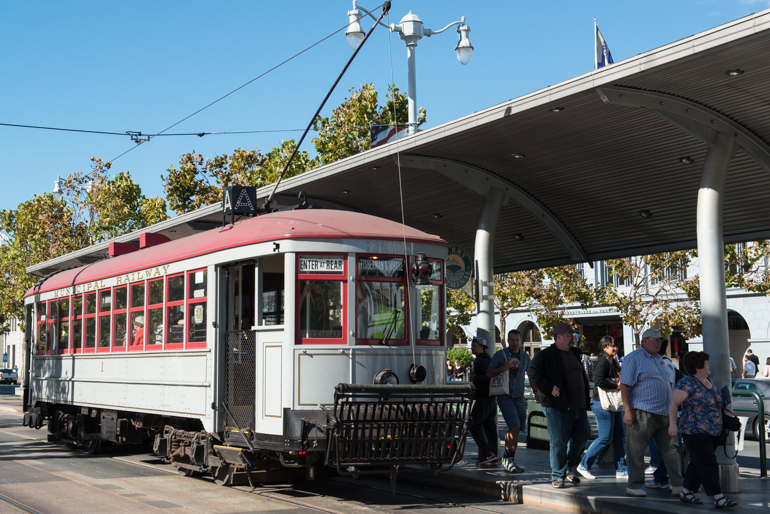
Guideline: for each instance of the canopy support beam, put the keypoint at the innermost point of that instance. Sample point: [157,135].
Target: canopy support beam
[483,182]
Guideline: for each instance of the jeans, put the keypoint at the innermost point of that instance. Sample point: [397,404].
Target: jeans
[483,427]
[648,425]
[610,425]
[568,431]
[514,411]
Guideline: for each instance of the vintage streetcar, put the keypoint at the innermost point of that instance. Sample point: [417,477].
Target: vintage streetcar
[299,338]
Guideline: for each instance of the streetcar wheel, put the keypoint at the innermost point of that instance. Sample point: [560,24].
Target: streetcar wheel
[93,446]
[223,475]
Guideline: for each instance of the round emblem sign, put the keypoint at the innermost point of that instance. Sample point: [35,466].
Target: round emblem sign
[458,267]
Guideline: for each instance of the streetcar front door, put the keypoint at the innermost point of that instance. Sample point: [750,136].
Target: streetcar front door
[240,351]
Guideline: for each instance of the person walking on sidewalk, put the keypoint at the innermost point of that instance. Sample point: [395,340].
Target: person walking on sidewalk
[513,405]
[563,391]
[646,391]
[609,424]
[483,427]
[749,368]
[701,425]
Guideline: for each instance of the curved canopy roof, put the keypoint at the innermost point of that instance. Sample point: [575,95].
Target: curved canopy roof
[299,224]
[592,167]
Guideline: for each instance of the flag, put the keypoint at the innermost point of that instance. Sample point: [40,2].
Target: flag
[381,134]
[603,55]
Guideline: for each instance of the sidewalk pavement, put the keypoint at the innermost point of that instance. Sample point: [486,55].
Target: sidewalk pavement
[604,495]
[10,403]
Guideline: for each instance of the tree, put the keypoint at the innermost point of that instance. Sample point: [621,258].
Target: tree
[561,285]
[94,208]
[198,182]
[459,311]
[657,291]
[346,132]
[512,291]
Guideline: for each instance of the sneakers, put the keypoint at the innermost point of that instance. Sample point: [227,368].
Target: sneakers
[558,484]
[652,484]
[622,474]
[488,459]
[650,470]
[571,478]
[584,471]
[630,491]
[510,466]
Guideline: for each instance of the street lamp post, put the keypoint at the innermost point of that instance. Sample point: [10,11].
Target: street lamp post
[411,30]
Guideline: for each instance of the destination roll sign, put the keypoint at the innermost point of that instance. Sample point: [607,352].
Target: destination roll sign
[239,200]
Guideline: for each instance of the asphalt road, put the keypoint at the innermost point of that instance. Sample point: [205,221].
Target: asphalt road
[46,478]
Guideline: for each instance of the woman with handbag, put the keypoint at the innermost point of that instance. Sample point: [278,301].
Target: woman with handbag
[701,425]
[608,410]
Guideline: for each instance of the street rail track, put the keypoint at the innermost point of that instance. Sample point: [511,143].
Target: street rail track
[18,505]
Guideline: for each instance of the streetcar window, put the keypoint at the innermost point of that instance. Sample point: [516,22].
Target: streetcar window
[321,298]
[77,323]
[381,300]
[90,323]
[137,330]
[431,311]
[64,326]
[273,289]
[42,336]
[175,313]
[198,284]
[120,318]
[137,295]
[320,309]
[53,320]
[105,319]
[155,327]
[196,320]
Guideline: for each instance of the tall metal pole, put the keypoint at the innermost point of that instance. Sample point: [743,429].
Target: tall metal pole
[711,261]
[483,254]
[411,50]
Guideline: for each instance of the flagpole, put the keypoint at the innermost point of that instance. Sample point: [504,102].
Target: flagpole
[596,65]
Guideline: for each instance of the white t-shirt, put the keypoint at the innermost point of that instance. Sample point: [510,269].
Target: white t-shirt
[749,368]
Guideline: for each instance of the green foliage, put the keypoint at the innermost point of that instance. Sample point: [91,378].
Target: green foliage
[199,182]
[658,293]
[346,131]
[460,307]
[462,354]
[94,208]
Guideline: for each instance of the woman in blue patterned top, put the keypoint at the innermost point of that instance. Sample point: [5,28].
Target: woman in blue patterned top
[701,425]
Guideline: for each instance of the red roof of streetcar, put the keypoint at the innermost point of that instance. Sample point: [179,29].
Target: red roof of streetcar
[298,224]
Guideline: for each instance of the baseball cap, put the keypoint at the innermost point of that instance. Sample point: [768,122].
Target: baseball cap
[562,328]
[651,332]
[479,341]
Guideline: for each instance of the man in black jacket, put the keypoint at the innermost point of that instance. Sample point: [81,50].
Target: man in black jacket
[563,391]
[483,427]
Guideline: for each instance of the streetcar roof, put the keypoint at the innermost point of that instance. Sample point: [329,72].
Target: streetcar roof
[297,224]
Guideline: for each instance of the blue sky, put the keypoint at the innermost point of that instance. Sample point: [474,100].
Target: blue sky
[144,65]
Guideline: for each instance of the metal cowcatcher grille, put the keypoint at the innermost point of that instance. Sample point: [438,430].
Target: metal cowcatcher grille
[240,392]
[381,426]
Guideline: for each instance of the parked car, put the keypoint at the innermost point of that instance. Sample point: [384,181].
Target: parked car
[8,376]
[747,406]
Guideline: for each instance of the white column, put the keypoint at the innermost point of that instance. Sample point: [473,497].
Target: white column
[484,257]
[711,257]
[411,50]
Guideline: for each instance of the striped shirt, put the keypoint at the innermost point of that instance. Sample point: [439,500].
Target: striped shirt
[647,377]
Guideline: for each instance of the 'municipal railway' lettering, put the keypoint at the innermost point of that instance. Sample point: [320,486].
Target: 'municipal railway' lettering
[122,279]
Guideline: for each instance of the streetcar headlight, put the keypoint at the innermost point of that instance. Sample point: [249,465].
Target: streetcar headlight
[417,374]
[386,376]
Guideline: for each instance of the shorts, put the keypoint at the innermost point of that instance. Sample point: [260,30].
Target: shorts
[514,411]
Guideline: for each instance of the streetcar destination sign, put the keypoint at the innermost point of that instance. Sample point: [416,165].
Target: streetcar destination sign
[323,265]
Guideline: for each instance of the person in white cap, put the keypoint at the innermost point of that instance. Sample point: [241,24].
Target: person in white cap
[646,389]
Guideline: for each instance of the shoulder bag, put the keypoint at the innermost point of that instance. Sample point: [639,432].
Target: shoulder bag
[611,400]
[499,385]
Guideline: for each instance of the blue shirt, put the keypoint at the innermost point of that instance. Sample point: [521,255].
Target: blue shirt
[516,377]
[647,377]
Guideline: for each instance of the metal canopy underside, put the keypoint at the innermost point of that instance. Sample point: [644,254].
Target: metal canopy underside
[589,169]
